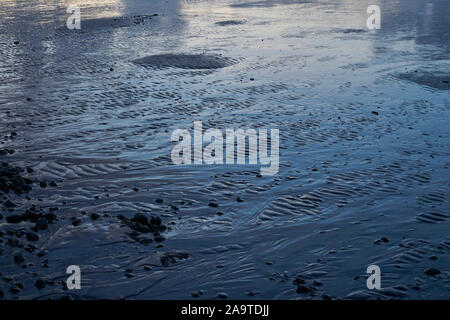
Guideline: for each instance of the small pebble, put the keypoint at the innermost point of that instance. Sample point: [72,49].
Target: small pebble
[94,216]
[31,236]
[76,222]
[303,289]
[41,224]
[18,258]
[40,284]
[222,295]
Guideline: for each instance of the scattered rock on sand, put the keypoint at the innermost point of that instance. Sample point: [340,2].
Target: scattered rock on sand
[11,179]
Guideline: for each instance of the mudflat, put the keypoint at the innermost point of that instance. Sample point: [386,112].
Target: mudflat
[86,176]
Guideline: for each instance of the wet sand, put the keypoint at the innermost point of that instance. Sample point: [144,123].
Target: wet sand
[86,119]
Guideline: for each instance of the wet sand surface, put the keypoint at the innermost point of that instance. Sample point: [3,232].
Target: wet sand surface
[364,149]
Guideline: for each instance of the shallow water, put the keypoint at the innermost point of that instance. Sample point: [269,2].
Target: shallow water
[364,145]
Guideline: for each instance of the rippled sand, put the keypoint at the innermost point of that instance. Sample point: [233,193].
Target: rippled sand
[364,148]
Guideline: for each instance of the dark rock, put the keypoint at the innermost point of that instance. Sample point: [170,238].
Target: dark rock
[18,258]
[42,253]
[159,238]
[50,217]
[432,271]
[299,280]
[383,239]
[159,200]
[213,204]
[31,236]
[14,289]
[94,216]
[222,295]
[9,204]
[140,218]
[53,184]
[195,294]
[155,220]
[317,283]
[15,218]
[301,288]
[43,184]
[76,222]
[40,284]
[41,224]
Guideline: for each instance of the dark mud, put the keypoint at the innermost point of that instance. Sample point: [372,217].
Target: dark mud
[441,82]
[230,23]
[184,61]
